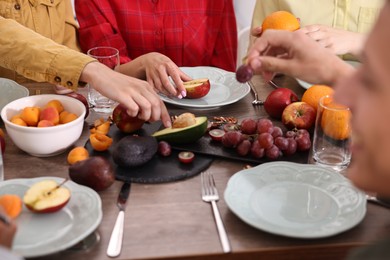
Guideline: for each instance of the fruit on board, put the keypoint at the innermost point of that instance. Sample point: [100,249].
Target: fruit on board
[280,20]
[216,134]
[50,114]
[164,148]
[335,122]
[11,204]
[182,135]
[82,99]
[248,126]
[30,115]
[46,197]
[184,120]
[95,172]
[100,142]
[299,115]
[186,157]
[100,126]
[124,122]
[313,94]
[197,88]
[278,100]
[244,73]
[78,153]
[134,150]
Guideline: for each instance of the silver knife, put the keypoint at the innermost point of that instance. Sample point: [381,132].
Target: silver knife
[115,244]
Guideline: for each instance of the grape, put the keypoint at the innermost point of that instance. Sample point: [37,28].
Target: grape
[264,126]
[232,139]
[276,132]
[164,148]
[273,153]
[290,134]
[244,73]
[265,140]
[281,142]
[230,127]
[303,143]
[248,126]
[244,147]
[292,147]
[257,151]
[304,132]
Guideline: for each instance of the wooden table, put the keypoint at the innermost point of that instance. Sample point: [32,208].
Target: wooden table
[165,221]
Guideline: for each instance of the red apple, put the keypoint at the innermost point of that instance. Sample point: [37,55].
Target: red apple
[197,88]
[124,122]
[299,115]
[2,144]
[82,99]
[46,197]
[278,100]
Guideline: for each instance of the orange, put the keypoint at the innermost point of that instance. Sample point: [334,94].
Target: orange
[313,94]
[11,204]
[335,121]
[280,20]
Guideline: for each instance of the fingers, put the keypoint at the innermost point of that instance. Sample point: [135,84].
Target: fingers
[256,32]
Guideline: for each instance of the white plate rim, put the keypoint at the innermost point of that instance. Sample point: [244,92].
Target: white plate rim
[188,103]
[77,237]
[257,171]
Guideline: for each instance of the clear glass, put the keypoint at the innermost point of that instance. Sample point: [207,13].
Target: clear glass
[332,135]
[110,57]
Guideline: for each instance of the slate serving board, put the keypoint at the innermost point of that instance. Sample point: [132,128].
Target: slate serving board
[159,169]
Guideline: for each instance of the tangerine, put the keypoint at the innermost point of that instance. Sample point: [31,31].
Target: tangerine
[335,121]
[313,94]
[280,20]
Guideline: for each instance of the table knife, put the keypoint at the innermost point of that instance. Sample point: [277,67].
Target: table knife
[115,244]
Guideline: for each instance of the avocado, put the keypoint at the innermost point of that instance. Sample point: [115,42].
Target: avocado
[133,150]
[183,135]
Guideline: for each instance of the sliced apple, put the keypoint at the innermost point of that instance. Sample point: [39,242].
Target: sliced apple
[197,88]
[46,197]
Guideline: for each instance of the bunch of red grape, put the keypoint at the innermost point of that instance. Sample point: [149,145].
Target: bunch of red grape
[260,138]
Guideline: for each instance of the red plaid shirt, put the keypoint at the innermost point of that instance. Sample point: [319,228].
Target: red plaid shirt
[190,32]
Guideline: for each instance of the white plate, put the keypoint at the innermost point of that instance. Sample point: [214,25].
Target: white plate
[295,200]
[10,91]
[307,85]
[225,89]
[43,234]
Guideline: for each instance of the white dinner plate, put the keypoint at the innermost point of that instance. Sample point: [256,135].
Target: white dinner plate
[307,85]
[44,234]
[10,91]
[225,89]
[295,200]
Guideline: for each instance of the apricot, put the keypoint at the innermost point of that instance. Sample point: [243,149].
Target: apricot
[66,117]
[56,104]
[1,132]
[30,115]
[18,121]
[78,153]
[101,126]
[50,114]
[45,123]
[100,142]
[11,204]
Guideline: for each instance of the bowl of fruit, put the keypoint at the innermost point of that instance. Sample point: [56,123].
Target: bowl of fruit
[44,125]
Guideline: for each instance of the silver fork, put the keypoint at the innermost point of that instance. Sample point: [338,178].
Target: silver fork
[256,101]
[210,194]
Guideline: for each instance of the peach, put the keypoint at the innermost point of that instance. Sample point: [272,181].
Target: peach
[45,123]
[30,115]
[56,104]
[66,117]
[78,153]
[100,142]
[18,121]
[50,114]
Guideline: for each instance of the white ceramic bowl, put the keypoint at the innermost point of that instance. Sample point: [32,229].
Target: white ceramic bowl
[44,141]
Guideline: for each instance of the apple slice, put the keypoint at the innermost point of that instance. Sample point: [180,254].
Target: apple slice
[197,88]
[46,197]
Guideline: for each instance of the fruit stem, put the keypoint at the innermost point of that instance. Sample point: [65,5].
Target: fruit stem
[56,187]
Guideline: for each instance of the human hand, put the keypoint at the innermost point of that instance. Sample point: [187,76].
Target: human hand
[339,41]
[295,54]
[136,95]
[7,229]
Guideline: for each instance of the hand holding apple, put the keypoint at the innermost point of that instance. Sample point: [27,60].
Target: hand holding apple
[197,88]
[124,122]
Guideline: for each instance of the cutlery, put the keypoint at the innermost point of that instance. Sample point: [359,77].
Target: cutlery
[210,194]
[378,201]
[273,84]
[115,244]
[256,101]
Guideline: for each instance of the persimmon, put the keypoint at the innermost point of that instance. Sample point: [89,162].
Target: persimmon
[11,204]
[100,142]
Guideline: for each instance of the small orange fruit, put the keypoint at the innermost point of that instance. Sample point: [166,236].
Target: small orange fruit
[100,142]
[313,94]
[280,20]
[335,121]
[1,132]
[78,153]
[11,204]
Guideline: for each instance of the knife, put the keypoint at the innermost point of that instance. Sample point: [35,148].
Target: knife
[115,244]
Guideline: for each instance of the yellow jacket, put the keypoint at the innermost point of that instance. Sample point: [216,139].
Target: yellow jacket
[37,57]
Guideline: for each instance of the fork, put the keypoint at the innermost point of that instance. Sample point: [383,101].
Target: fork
[256,101]
[210,194]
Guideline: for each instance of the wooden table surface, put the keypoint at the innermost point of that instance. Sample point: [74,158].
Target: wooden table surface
[165,221]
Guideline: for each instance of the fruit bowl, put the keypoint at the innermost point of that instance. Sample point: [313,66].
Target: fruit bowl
[44,141]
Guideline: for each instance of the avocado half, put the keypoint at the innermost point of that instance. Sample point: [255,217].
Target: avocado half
[183,135]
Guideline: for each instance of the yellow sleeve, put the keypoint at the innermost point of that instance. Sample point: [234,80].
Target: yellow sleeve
[39,58]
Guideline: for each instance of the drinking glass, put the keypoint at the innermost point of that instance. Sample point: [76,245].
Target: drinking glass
[110,57]
[332,135]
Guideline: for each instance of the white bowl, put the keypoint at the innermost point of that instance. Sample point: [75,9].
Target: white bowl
[44,141]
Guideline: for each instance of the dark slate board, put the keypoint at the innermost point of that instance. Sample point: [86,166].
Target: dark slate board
[159,169]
